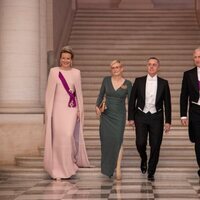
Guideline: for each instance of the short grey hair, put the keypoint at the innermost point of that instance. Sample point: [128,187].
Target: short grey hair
[197,49]
[115,61]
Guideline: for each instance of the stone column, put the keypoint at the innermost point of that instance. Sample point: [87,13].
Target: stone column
[22,45]
[23,74]
[43,48]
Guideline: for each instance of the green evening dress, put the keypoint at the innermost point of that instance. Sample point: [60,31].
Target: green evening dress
[112,122]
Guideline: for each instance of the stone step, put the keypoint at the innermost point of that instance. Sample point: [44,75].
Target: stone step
[94,122]
[91,110]
[174,87]
[161,27]
[131,56]
[100,47]
[174,82]
[135,37]
[144,14]
[173,153]
[14,173]
[166,147]
[93,89]
[136,68]
[175,109]
[129,16]
[166,150]
[92,129]
[130,133]
[99,52]
[179,20]
[91,107]
[101,74]
[175,133]
[129,162]
[129,136]
[29,161]
[175,129]
[91,115]
[22,172]
[124,41]
[131,141]
[127,32]
[106,62]
[131,73]
[92,99]
[178,131]
[134,22]
[136,11]
[130,76]
[98,80]
[164,163]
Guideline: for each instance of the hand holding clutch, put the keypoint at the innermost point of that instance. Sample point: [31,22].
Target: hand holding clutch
[102,106]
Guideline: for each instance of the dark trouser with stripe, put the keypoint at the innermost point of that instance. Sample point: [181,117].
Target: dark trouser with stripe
[151,125]
[194,128]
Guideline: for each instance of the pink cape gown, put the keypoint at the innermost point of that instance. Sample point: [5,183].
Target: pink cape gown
[64,143]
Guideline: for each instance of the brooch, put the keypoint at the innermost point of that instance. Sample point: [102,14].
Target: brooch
[124,86]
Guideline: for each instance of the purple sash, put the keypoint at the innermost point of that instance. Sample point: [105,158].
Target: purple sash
[72,100]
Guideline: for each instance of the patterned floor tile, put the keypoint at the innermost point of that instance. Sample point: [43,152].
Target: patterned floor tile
[168,185]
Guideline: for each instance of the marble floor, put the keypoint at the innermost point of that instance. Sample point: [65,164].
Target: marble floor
[169,184]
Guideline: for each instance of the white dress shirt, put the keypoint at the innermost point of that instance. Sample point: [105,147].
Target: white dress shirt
[150,94]
[198,73]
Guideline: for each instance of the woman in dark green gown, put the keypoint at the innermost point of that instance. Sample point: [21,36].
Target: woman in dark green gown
[113,120]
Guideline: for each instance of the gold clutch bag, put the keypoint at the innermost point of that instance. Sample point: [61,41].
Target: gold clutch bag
[102,106]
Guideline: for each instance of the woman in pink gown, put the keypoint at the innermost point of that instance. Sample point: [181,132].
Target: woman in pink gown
[65,148]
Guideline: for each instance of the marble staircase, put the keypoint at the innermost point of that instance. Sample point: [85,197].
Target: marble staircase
[98,37]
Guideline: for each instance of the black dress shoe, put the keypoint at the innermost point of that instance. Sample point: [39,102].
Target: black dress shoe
[151,177]
[143,166]
[198,172]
